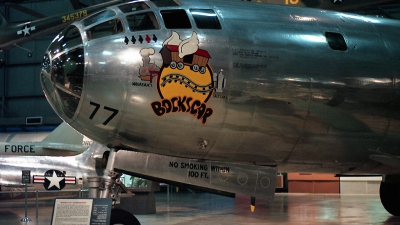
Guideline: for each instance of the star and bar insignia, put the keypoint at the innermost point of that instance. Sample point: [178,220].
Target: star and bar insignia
[26,31]
[54,180]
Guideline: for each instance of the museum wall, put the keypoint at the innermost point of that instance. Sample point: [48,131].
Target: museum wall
[21,95]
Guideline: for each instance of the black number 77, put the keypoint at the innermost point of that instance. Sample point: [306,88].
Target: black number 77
[114,112]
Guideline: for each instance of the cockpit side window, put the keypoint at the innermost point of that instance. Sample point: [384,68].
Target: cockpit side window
[133,7]
[142,21]
[108,28]
[205,18]
[164,3]
[98,17]
[176,19]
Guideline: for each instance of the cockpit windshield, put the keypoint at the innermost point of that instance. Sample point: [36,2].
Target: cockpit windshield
[176,19]
[165,3]
[133,7]
[63,69]
[67,39]
[142,21]
[99,17]
[67,71]
[105,29]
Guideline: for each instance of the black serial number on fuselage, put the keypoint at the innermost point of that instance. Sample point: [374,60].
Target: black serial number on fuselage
[19,148]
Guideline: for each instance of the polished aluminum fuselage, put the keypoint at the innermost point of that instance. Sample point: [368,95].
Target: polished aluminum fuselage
[289,99]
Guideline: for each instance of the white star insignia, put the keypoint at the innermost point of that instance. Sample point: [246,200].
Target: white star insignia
[54,180]
[26,30]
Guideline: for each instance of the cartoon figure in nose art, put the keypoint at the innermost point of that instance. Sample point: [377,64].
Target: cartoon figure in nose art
[186,81]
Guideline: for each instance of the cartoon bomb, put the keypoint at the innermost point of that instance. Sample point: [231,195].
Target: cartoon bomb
[186,81]
[185,70]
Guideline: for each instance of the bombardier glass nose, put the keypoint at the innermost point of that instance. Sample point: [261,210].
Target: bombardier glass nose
[63,71]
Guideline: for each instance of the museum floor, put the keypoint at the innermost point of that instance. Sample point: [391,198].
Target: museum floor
[188,208]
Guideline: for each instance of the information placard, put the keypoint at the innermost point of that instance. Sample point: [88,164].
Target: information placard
[101,211]
[95,211]
[26,176]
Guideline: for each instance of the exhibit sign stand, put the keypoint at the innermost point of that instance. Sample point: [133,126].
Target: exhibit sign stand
[26,179]
[91,211]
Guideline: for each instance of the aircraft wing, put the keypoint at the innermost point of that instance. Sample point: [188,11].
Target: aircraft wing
[63,141]
[15,35]
[75,149]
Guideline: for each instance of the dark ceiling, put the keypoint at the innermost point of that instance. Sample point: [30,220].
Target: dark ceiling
[381,8]
[389,10]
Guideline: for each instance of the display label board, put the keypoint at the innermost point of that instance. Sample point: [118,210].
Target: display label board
[26,176]
[96,211]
